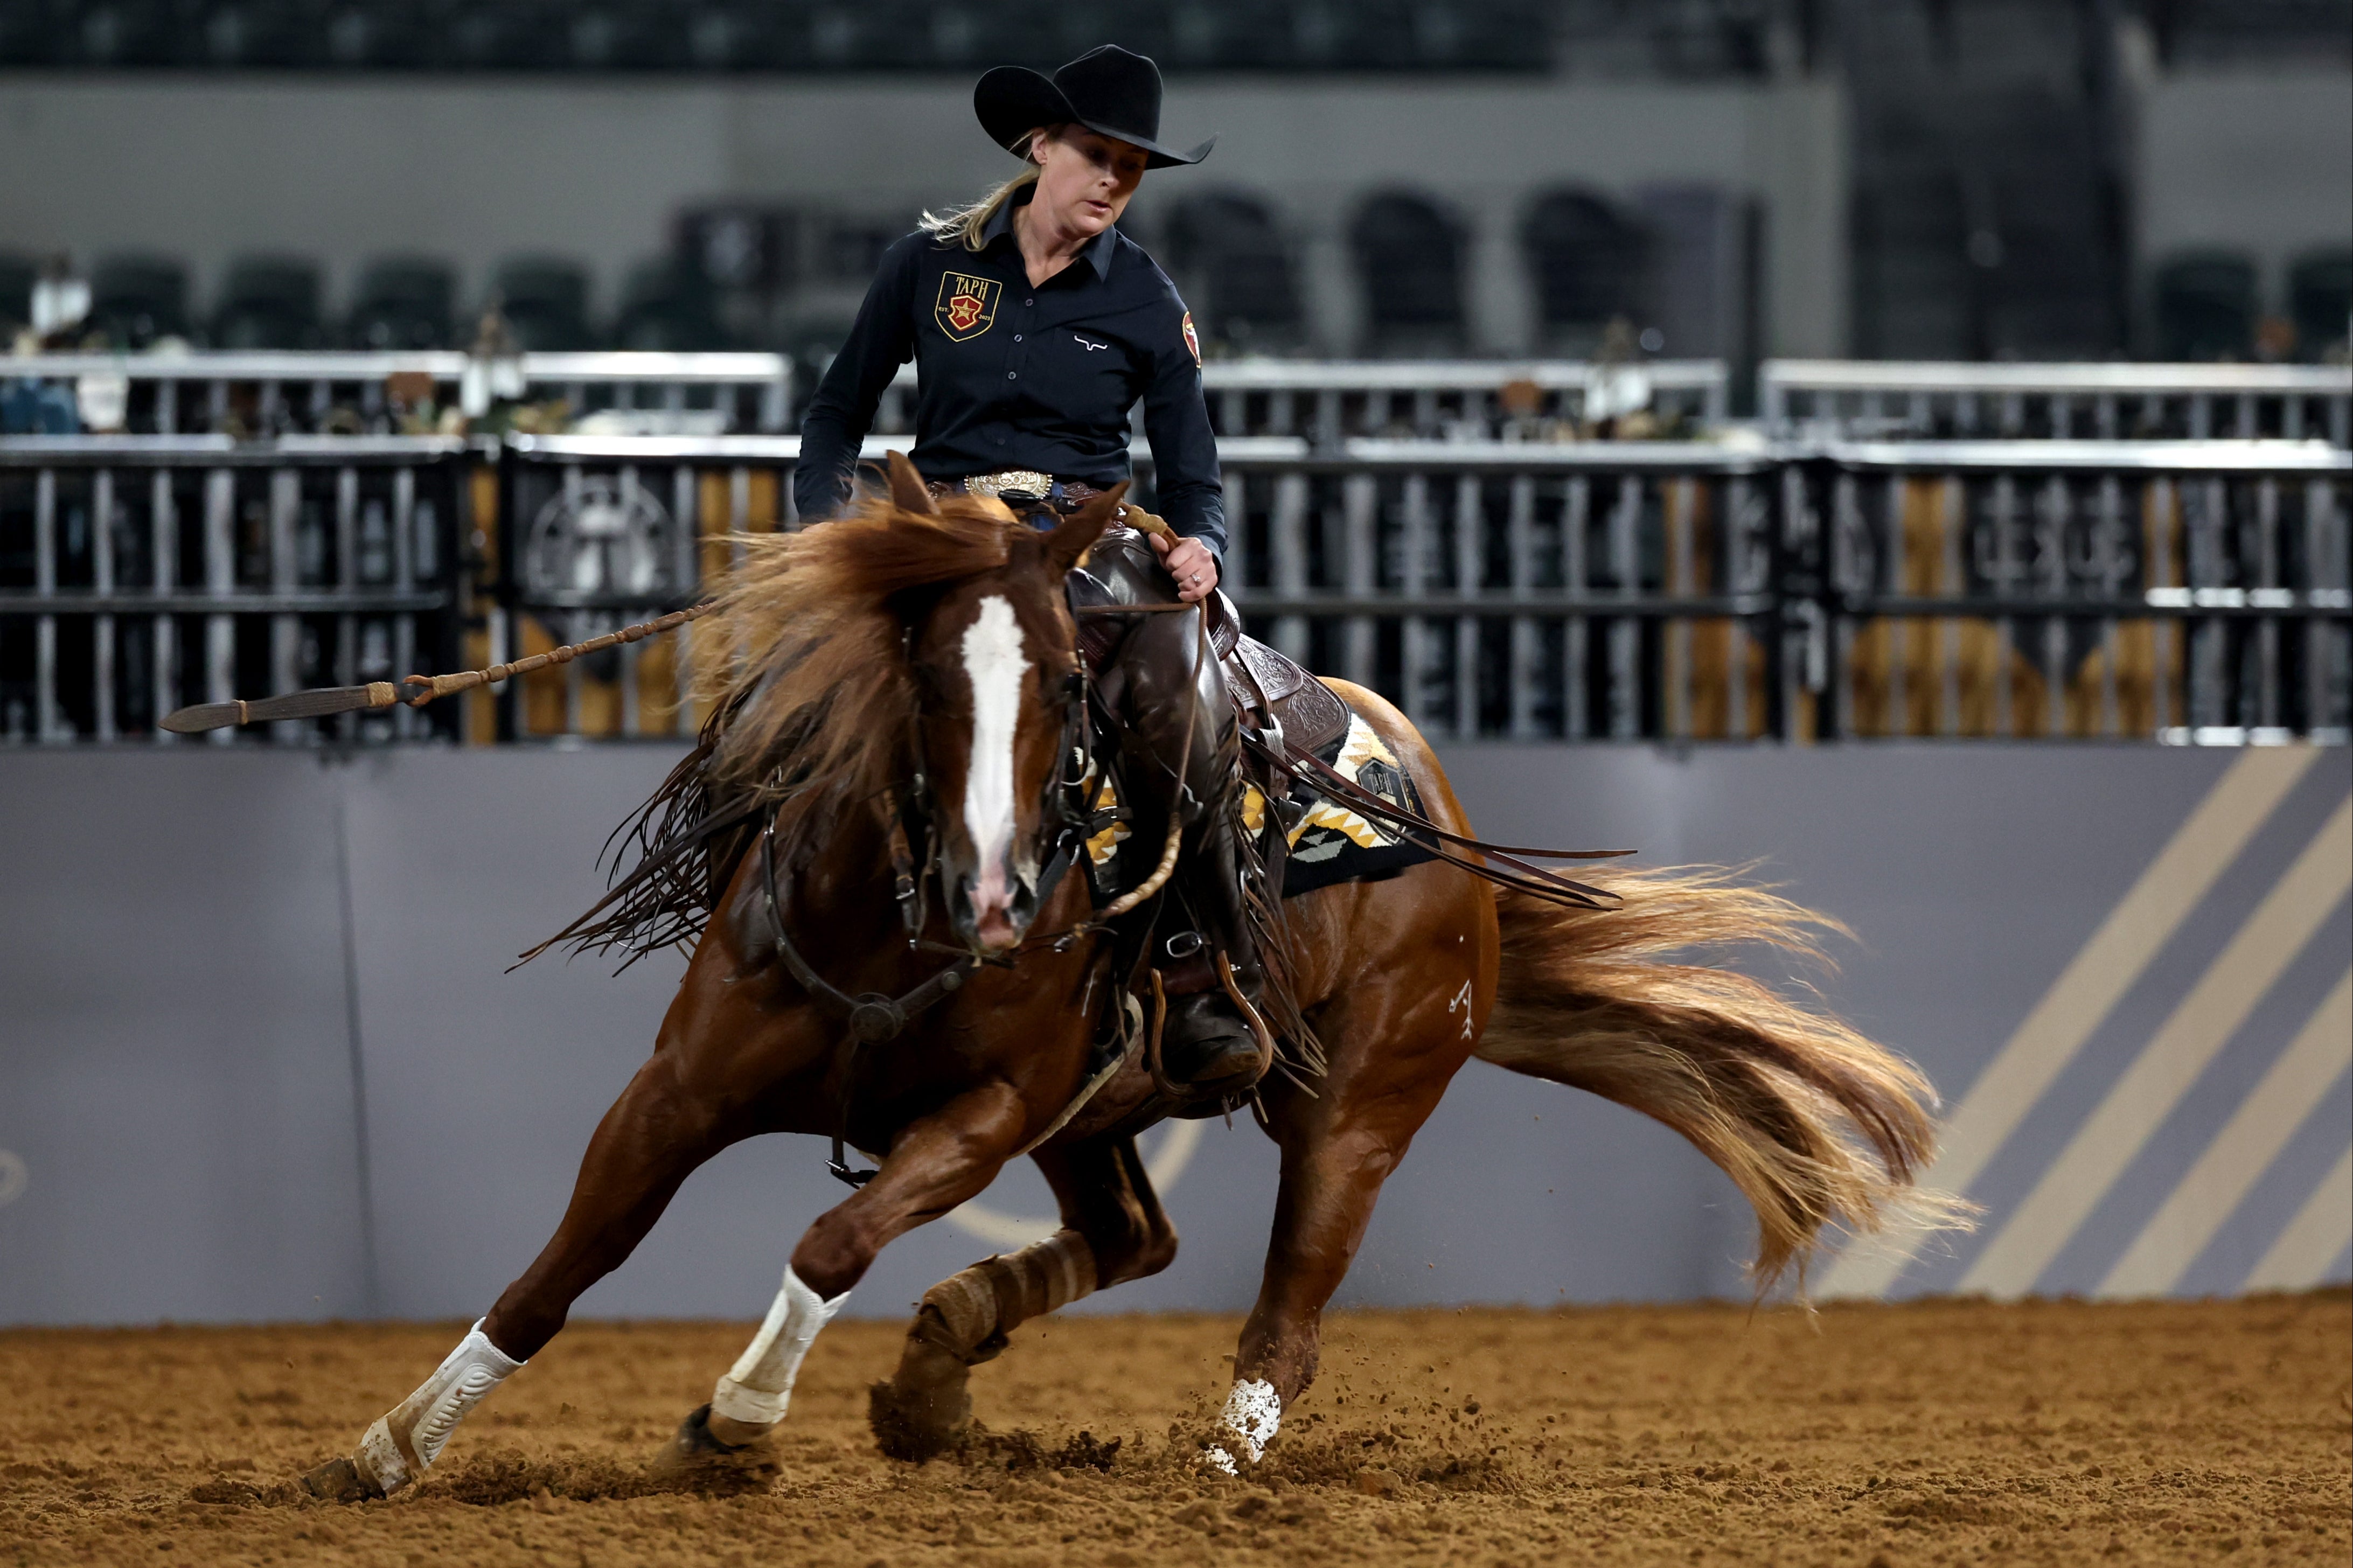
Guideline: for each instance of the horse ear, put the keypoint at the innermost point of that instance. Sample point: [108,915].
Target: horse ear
[908,491]
[1076,534]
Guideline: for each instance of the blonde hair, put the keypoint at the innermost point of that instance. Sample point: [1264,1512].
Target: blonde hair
[964,226]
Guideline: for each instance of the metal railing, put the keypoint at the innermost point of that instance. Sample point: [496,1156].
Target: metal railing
[1887,399]
[262,393]
[1669,591]
[273,393]
[140,573]
[2192,591]
[1330,401]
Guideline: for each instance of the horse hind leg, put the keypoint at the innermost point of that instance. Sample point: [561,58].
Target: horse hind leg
[1114,1230]
[1392,1056]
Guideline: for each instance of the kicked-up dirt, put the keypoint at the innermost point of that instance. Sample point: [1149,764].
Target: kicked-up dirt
[1947,1432]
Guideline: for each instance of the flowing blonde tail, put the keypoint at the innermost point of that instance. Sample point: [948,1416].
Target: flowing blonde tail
[1813,1122]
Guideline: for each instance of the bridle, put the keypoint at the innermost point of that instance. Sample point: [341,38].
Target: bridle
[875,1017]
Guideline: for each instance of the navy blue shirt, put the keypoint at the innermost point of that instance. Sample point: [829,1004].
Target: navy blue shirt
[1014,376]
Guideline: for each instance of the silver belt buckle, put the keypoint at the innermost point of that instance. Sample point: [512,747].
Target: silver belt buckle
[1012,484]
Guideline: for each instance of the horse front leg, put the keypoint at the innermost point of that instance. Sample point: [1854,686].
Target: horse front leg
[718,1058]
[1114,1230]
[935,1164]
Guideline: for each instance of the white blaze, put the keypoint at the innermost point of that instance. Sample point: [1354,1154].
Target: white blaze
[994,662]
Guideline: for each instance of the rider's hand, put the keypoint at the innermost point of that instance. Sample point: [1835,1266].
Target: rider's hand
[1189,561]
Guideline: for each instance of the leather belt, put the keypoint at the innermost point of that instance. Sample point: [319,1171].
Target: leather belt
[1020,488]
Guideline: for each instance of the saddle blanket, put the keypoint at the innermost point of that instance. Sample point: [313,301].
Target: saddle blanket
[1328,843]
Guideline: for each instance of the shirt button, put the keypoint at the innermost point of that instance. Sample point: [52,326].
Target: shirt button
[1017,337]
[1013,375]
[1029,301]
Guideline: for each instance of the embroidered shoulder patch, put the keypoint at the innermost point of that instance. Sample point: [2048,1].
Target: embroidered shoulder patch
[1192,339]
[967,306]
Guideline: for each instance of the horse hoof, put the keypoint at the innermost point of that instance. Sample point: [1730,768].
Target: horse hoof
[696,1447]
[339,1480]
[915,1425]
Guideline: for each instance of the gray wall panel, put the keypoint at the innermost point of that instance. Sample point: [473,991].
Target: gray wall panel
[185,1114]
[175,1062]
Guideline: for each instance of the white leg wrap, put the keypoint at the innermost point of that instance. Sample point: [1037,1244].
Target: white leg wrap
[1252,1415]
[403,1443]
[759,1386]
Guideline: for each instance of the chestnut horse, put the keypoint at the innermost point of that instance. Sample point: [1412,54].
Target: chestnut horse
[928,647]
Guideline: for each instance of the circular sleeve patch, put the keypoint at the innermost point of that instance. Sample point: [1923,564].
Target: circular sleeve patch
[1192,339]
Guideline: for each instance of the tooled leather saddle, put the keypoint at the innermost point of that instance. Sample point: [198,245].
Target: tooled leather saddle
[1263,681]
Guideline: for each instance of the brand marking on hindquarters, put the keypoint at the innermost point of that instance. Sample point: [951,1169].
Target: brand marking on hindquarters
[1461,1004]
[995,663]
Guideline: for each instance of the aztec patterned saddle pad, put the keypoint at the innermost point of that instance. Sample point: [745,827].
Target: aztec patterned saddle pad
[1327,842]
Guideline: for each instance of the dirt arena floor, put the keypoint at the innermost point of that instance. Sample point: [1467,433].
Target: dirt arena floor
[1941,1433]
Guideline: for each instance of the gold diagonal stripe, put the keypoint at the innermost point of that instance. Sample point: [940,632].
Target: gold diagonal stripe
[2320,1230]
[2079,1000]
[2140,1100]
[2241,1152]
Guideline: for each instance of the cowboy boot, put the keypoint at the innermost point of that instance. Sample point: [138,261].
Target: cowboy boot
[1210,1045]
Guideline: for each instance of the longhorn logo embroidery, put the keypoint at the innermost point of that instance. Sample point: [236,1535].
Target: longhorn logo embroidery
[967,306]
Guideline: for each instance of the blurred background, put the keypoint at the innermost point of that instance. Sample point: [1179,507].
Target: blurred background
[1918,179]
[1905,444]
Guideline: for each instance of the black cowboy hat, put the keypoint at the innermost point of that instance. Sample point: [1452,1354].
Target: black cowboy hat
[1108,89]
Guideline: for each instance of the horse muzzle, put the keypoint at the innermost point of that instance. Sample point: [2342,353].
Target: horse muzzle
[993,912]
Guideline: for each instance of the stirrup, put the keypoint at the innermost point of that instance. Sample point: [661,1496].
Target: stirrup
[1246,1065]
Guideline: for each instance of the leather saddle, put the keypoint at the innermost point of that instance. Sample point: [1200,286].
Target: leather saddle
[1311,715]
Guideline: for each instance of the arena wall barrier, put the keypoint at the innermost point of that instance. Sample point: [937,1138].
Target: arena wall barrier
[1916,400]
[2187,591]
[259,1056]
[276,392]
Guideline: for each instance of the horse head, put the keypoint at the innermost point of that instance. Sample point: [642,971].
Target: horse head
[995,657]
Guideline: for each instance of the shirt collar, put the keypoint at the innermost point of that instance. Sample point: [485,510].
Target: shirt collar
[1098,250]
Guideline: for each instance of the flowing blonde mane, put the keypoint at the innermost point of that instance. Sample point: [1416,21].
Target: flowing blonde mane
[810,663]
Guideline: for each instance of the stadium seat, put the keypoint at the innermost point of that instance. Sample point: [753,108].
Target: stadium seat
[1590,262]
[2320,301]
[1410,255]
[401,302]
[623,35]
[546,300]
[17,275]
[269,302]
[2205,306]
[1230,254]
[134,299]
[505,35]
[666,306]
[377,35]
[116,34]
[254,34]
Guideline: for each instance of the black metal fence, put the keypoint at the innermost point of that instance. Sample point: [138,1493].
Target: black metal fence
[2182,591]
[140,573]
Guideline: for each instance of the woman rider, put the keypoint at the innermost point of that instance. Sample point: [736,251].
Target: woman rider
[1035,326]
